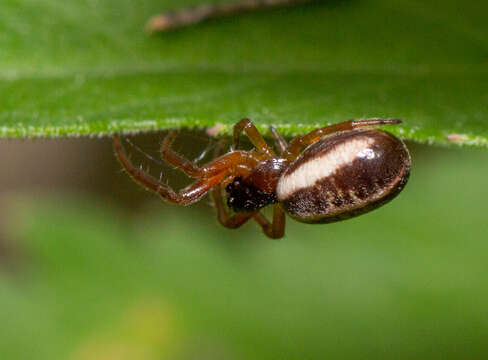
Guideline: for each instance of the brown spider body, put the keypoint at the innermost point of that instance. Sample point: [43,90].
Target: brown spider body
[345,170]
[258,189]
[344,175]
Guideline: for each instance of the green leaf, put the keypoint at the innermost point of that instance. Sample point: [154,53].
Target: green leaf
[85,67]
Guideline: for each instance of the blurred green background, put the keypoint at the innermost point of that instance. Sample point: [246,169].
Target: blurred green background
[93,267]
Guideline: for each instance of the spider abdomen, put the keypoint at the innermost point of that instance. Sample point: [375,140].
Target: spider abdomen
[344,175]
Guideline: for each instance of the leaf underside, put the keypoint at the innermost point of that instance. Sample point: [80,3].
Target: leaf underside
[87,68]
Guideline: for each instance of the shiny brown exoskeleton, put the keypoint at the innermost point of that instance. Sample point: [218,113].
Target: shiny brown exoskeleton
[375,167]
[345,170]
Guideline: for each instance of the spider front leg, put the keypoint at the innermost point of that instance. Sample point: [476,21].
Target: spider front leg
[237,163]
[299,142]
[186,196]
[228,161]
[188,167]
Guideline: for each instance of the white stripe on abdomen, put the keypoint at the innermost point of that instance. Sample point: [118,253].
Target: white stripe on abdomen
[317,168]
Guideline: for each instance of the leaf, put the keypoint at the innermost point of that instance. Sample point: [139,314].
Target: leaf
[85,67]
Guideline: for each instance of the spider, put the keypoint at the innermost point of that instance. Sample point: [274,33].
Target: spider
[330,174]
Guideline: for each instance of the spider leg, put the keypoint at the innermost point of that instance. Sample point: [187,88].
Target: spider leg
[213,168]
[276,229]
[237,163]
[280,142]
[254,135]
[299,142]
[225,219]
[188,167]
[186,196]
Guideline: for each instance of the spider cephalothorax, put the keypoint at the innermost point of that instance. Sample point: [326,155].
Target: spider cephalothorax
[344,170]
